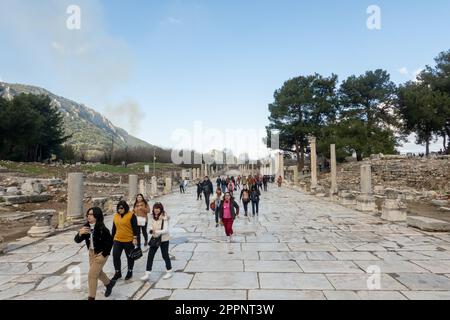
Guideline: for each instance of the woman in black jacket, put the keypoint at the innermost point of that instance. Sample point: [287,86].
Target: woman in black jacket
[99,242]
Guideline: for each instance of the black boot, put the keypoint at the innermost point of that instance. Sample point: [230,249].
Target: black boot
[90,298]
[117,276]
[129,275]
[109,288]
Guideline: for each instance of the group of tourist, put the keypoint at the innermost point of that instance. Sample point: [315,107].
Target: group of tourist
[128,224]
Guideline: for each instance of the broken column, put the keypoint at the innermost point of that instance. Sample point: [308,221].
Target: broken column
[75,194]
[43,226]
[142,187]
[132,186]
[168,186]
[154,188]
[393,209]
[334,187]
[62,220]
[313,159]
[365,201]
[347,198]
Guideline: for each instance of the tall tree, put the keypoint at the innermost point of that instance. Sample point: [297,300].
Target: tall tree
[302,107]
[419,107]
[32,130]
[438,79]
[367,118]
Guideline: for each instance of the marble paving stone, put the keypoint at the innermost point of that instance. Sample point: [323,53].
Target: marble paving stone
[183,294]
[178,281]
[424,281]
[311,247]
[206,256]
[215,266]
[50,268]
[184,247]
[320,256]
[19,257]
[341,295]
[156,294]
[16,290]
[392,266]
[252,247]
[9,268]
[277,256]
[217,247]
[362,256]
[271,266]
[5,279]
[381,295]
[427,295]
[230,280]
[284,295]
[329,267]
[294,281]
[435,266]
[360,282]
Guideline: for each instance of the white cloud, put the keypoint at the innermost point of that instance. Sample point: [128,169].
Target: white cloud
[403,71]
[416,74]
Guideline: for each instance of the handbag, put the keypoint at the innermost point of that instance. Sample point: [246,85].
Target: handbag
[136,254]
[155,243]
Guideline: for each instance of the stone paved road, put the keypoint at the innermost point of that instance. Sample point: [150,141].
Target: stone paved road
[301,247]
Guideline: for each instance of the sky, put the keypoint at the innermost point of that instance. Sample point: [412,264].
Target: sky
[173,72]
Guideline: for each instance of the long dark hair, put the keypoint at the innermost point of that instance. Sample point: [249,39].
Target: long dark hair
[143,200]
[98,215]
[123,204]
[158,205]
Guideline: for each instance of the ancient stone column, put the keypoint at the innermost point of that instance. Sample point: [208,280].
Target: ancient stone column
[280,165]
[334,187]
[295,169]
[132,186]
[366,201]
[75,195]
[142,188]
[154,188]
[393,209]
[43,227]
[62,220]
[168,186]
[312,142]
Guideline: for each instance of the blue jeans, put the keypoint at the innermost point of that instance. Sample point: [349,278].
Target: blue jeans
[255,204]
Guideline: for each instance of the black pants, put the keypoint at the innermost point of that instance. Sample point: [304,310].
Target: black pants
[245,203]
[265,187]
[165,255]
[199,195]
[182,189]
[117,253]
[217,215]
[207,195]
[255,204]
[142,229]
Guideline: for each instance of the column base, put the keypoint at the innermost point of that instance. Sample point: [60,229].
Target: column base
[365,203]
[393,211]
[40,232]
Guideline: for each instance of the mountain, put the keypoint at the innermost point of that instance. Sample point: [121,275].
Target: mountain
[90,130]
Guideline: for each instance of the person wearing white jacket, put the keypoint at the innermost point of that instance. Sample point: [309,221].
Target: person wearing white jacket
[159,228]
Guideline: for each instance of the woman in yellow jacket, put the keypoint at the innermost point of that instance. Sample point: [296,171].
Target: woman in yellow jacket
[124,232]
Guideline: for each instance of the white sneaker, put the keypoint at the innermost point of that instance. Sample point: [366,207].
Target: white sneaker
[146,276]
[168,275]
